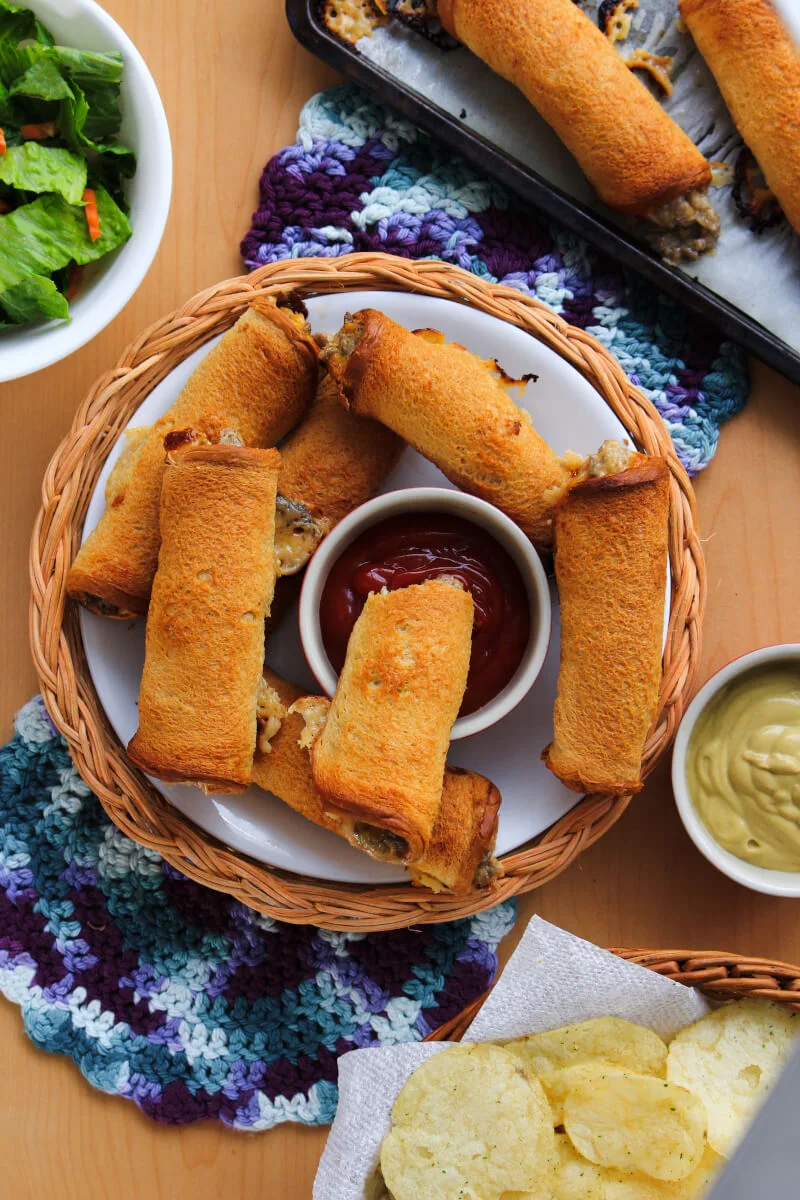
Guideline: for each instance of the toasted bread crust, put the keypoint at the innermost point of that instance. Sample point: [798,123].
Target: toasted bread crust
[381,754]
[463,836]
[205,626]
[259,381]
[610,563]
[452,407]
[757,67]
[88,581]
[635,156]
[334,461]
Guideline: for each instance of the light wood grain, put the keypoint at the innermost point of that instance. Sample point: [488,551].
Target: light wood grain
[233,81]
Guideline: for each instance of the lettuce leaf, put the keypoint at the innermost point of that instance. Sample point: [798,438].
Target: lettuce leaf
[19,25]
[87,67]
[111,163]
[104,117]
[43,81]
[115,228]
[32,167]
[34,299]
[47,234]
[7,108]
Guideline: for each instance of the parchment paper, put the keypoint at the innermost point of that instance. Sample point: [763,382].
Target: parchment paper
[552,979]
[759,274]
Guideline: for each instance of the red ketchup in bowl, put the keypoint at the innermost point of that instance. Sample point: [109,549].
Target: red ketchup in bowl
[411,548]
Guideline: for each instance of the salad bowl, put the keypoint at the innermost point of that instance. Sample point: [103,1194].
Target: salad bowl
[108,284]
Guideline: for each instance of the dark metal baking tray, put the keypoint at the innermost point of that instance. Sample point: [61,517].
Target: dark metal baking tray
[311,32]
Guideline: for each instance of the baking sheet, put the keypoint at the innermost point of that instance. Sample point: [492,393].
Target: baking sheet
[757,274]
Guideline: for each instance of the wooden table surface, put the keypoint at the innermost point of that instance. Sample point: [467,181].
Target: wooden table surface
[233,81]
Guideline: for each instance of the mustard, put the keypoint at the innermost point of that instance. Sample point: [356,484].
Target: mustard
[743,767]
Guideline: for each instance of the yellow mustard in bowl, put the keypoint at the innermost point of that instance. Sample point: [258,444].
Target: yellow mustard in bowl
[743,767]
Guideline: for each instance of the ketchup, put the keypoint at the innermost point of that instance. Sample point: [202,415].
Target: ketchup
[409,549]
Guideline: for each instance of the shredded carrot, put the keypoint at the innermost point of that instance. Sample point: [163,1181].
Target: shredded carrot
[75,274]
[36,133]
[92,215]
[2,142]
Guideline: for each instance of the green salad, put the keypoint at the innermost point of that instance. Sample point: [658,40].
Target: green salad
[62,171]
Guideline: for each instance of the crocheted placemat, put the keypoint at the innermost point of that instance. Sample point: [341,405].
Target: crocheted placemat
[179,998]
[362,178]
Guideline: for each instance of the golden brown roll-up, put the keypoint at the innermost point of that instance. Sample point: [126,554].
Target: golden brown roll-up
[205,626]
[757,68]
[610,562]
[334,461]
[255,385]
[381,754]
[452,407]
[635,156]
[459,857]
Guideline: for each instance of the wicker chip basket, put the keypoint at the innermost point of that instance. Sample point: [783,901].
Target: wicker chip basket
[127,797]
[718,975]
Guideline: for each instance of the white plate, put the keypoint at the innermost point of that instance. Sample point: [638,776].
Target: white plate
[570,415]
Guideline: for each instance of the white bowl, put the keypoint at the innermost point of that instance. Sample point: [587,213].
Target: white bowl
[111,283]
[457,504]
[758,879]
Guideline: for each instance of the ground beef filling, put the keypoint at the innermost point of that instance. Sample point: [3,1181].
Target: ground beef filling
[683,229]
[380,843]
[486,871]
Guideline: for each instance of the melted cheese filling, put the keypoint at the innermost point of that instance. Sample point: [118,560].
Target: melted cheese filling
[314,711]
[270,711]
[352,19]
[297,535]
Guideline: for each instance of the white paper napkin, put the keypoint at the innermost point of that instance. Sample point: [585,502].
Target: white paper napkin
[551,979]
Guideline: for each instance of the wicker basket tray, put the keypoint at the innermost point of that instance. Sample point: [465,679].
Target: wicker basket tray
[130,801]
[718,975]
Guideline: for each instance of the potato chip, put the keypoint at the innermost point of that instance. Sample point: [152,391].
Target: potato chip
[558,1083]
[470,1124]
[620,1186]
[637,1124]
[573,1177]
[576,1179]
[614,1041]
[730,1060]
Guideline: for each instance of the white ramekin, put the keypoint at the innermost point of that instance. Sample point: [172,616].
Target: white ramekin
[457,504]
[109,285]
[758,879]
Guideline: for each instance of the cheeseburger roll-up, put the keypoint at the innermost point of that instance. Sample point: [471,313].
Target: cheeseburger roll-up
[200,690]
[331,463]
[611,530]
[334,461]
[454,408]
[381,753]
[756,65]
[460,855]
[252,388]
[639,161]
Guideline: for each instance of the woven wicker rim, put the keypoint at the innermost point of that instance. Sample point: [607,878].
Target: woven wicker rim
[140,811]
[719,975]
